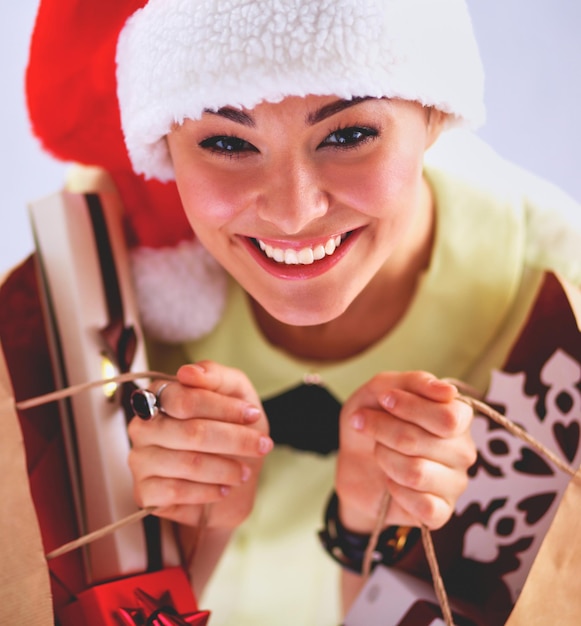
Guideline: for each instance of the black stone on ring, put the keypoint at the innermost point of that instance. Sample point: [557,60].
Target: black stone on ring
[146,404]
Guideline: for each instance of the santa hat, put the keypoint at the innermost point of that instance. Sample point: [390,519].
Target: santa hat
[107,80]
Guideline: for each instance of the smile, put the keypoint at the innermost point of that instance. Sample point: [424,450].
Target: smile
[300,260]
[303,256]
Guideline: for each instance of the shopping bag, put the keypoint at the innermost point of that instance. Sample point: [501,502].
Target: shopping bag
[25,597]
[552,592]
[540,387]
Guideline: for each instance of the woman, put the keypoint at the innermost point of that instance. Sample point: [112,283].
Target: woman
[289,189]
[359,279]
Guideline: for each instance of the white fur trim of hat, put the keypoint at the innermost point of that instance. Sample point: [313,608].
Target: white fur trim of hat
[176,58]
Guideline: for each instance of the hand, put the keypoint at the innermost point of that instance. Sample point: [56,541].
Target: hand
[207,446]
[408,434]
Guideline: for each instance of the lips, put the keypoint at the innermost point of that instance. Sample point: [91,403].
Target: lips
[300,260]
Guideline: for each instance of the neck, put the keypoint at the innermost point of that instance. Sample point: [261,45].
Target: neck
[374,313]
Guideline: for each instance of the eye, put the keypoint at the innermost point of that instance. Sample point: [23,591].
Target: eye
[227,145]
[350,137]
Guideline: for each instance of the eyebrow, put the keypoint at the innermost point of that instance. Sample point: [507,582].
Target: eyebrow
[235,115]
[334,107]
[240,117]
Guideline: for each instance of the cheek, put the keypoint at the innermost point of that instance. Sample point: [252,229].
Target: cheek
[209,198]
[384,187]
[399,184]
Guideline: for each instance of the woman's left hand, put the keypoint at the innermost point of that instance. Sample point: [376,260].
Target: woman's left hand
[408,434]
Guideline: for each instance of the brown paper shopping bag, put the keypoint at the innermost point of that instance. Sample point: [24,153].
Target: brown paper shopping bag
[25,597]
[552,592]
[539,361]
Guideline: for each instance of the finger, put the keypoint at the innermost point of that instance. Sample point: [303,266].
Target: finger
[411,440]
[184,402]
[188,515]
[443,419]
[426,385]
[215,377]
[413,508]
[200,435]
[376,391]
[422,475]
[193,466]
[164,492]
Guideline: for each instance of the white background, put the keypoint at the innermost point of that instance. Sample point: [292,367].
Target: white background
[531,51]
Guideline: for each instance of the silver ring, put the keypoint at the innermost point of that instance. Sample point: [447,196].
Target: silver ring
[146,404]
[158,397]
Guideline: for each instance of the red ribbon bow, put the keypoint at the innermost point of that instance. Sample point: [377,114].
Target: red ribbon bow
[161,612]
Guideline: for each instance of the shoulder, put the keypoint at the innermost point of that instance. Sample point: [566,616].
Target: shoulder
[553,240]
[542,219]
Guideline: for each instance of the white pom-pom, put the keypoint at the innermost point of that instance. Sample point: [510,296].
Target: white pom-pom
[180,291]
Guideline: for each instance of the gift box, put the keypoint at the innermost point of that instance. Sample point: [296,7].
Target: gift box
[161,598]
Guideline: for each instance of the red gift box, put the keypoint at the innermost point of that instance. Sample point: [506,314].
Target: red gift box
[163,598]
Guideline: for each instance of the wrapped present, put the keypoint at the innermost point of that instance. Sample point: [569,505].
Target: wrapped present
[162,598]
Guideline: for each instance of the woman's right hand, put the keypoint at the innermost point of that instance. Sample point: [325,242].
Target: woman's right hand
[206,447]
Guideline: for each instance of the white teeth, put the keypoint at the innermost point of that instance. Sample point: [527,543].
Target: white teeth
[290,257]
[304,256]
[319,253]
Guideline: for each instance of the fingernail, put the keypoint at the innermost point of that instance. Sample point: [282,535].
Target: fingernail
[251,413]
[357,421]
[224,490]
[246,473]
[265,445]
[388,401]
[199,367]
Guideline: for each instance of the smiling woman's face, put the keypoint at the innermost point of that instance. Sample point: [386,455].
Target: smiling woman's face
[304,201]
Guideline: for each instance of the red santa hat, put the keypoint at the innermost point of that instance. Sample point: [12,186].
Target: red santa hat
[71,93]
[107,80]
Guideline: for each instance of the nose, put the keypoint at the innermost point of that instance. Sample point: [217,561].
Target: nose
[293,198]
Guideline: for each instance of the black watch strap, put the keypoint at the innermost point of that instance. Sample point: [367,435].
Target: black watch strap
[348,548]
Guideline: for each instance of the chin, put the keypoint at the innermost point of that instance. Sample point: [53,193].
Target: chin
[314,314]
